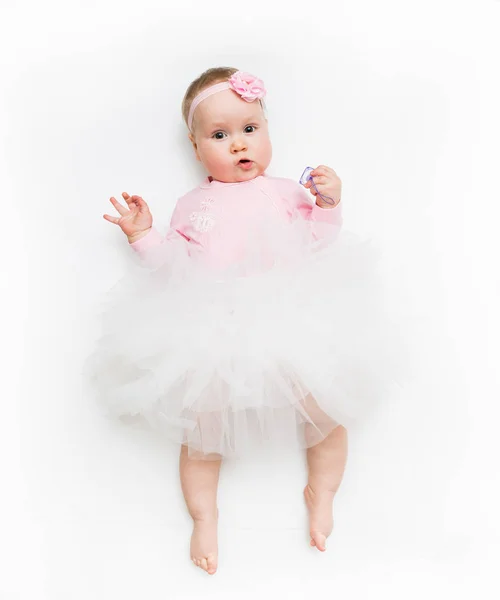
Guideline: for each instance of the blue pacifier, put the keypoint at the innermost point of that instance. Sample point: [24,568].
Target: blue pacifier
[306,176]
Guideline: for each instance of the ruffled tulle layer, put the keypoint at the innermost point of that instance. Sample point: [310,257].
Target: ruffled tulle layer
[279,352]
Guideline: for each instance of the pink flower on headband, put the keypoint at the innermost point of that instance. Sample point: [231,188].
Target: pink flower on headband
[247,86]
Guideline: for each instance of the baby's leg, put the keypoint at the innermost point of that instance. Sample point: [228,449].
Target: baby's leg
[199,481]
[326,463]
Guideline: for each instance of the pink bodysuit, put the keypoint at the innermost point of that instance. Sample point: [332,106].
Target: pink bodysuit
[215,216]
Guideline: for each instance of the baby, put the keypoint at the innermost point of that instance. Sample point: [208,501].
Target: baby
[203,378]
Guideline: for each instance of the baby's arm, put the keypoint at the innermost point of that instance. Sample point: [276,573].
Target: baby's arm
[327,221]
[151,248]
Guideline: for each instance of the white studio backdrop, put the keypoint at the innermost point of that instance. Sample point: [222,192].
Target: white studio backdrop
[401,100]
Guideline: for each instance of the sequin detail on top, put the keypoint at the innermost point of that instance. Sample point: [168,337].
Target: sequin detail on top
[203,221]
[207,204]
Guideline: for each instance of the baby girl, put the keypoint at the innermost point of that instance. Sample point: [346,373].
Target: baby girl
[246,319]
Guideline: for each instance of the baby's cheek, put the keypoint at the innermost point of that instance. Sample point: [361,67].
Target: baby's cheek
[210,158]
[266,151]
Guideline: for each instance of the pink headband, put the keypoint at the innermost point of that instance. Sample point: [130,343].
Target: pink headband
[247,86]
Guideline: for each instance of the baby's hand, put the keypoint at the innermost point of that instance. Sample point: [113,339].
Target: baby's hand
[327,184]
[135,221]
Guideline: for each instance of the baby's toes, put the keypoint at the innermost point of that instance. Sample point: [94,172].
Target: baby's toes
[211,564]
[318,540]
[208,564]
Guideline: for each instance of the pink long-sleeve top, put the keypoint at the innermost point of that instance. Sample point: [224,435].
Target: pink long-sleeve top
[215,216]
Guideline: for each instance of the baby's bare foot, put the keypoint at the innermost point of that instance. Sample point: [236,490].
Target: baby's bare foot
[320,506]
[204,543]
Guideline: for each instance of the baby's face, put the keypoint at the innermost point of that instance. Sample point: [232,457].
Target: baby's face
[228,129]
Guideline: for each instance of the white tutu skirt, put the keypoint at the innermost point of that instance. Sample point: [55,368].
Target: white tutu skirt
[276,352]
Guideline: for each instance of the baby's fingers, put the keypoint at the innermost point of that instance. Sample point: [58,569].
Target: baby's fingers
[322,170]
[121,209]
[140,203]
[320,179]
[130,200]
[111,219]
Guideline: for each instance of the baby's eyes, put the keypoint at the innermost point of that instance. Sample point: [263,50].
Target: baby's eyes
[219,135]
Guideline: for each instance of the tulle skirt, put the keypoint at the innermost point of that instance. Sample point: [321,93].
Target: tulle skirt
[279,347]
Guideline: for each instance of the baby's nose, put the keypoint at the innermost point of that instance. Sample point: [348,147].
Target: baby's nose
[238,145]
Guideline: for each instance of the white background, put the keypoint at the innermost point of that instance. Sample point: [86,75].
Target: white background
[401,99]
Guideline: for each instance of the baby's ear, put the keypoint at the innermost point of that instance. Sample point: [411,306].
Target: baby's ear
[195,146]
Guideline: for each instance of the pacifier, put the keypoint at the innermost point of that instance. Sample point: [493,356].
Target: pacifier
[306,176]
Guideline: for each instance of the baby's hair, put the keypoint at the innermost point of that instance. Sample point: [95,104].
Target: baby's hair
[205,80]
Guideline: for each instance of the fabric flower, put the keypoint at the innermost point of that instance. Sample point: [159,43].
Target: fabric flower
[247,86]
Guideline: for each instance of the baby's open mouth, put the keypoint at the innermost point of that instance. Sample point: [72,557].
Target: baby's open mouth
[246,163]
